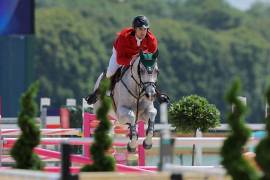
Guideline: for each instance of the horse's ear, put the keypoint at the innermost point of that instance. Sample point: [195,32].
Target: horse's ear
[155,55]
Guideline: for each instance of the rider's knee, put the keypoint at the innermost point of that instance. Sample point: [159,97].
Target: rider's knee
[109,74]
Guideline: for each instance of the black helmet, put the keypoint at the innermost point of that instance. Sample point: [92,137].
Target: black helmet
[140,21]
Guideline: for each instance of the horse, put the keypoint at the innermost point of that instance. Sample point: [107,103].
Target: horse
[133,97]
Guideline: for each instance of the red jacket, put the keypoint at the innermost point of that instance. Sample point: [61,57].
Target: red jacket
[126,45]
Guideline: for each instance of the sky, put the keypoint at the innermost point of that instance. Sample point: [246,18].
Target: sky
[244,4]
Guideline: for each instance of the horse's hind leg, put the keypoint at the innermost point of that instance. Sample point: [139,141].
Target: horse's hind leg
[127,116]
[147,143]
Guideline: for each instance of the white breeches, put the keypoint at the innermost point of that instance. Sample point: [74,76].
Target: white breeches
[113,66]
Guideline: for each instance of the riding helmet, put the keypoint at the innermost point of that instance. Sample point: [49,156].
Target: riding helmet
[141,21]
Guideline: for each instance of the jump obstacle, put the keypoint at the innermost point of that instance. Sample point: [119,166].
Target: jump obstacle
[85,142]
[119,141]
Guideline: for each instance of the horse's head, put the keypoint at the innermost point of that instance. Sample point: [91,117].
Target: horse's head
[147,70]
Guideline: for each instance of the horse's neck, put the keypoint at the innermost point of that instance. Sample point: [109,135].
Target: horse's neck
[129,80]
[131,77]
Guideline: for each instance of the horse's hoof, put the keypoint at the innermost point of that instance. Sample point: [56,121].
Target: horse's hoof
[146,146]
[130,149]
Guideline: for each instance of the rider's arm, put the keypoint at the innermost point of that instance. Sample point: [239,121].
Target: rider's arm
[119,46]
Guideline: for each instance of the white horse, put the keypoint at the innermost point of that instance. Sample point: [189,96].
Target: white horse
[133,96]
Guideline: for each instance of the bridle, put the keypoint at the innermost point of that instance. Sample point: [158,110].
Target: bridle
[142,85]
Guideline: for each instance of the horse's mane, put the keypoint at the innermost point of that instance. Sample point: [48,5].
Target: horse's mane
[134,58]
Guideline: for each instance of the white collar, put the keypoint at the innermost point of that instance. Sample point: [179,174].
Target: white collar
[138,41]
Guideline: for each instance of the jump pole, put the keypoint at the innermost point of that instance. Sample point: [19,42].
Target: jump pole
[89,118]
[141,151]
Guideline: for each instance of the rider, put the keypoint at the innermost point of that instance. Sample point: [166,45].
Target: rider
[129,42]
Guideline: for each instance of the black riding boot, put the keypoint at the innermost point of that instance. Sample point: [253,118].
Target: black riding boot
[92,98]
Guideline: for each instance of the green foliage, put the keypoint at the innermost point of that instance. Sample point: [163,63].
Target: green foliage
[67,45]
[22,150]
[215,14]
[103,141]
[193,112]
[202,44]
[232,149]
[75,116]
[263,158]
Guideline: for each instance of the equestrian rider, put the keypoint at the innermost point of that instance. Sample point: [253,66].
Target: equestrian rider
[129,42]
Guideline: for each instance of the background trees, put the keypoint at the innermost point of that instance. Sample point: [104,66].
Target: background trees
[203,45]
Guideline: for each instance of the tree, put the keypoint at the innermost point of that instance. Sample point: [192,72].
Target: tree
[202,44]
[263,158]
[232,149]
[22,151]
[193,113]
[102,139]
[69,54]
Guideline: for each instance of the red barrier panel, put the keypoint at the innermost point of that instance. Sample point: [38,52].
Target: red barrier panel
[65,118]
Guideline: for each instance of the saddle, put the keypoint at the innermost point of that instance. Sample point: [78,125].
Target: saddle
[93,97]
[118,76]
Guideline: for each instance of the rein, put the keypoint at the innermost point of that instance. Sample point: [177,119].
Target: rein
[139,84]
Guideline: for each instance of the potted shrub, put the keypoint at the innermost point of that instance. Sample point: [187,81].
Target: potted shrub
[102,139]
[22,150]
[192,113]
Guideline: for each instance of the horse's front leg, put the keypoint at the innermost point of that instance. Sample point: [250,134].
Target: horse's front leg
[127,116]
[147,143]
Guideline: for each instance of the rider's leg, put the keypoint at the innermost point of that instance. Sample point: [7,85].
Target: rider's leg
[113,66]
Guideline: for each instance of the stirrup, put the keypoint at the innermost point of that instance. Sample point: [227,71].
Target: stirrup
[91,98]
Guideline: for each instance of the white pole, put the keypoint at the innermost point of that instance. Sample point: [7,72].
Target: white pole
[71,102]
[164,120]
[198,150]
[84,106]
[44,103]
[166,142]
[266,110]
